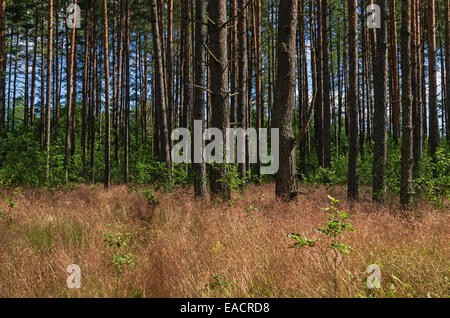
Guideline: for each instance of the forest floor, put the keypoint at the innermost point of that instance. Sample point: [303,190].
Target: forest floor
[176,246]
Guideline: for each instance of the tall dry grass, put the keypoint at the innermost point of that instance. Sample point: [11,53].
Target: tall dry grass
[188,248]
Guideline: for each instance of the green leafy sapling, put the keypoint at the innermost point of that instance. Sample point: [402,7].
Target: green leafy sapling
[151,198]
[118,243]
[334,228]
[301,241]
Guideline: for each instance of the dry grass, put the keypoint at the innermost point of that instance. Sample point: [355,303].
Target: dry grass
[188,248]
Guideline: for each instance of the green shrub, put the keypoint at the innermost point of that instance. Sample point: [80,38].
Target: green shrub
[157,173]
[433,177]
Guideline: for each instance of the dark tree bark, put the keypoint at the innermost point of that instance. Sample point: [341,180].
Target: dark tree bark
[393,72]
[69,99]
[242,103]
[57,102]
[7,111]
[85,94]
[107,177]
[339,74]
[233,62]
[432,74]
[186,65]
[127,85]
[318,107]
[3,66]
[218,61]
[42,123]
[406,187]
[353,101]
[33,70]
[416,83]
[447,61]
[326,140]
[160,106]
[13,115]
[258,70]
[379,129]
[199,169]
[93,91]
[118,101]
[49,85]
[74,102]
[169,59]
[286,179]
[25,114]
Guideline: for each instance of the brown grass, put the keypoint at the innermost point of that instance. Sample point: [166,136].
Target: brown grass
[188,248]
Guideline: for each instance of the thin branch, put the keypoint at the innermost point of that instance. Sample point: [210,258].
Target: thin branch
[302,133]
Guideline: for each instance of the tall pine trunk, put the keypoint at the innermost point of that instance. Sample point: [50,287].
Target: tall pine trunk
[325,45]
[353,107]
[394,85]
[447,61]
[379,129]
[218,61]
[49,85]
[107,177]
[160,106]
[286,178]
[242,77]
[406,187]
[432,74]
[2,66]
[199,168]
[69,98]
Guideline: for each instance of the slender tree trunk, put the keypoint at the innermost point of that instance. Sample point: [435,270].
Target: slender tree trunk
[33,70]
[2,66]
[339,120]
[85,94]
[416,76]
[57,84]
[69,99]
[325,45]
[353,101]
[393,71]
[270,68]
[199,166]
[406,188]
[8,111]
[169,60]
[107,178]
[233,62]
[432,74]
[242,77]
[318,108]
[49,85]
[16,60]
[26,108]
[74,101]
[127,88]
[42,123]
[93,88]
[145,103]
[186,65]
[118,101]
[259,86]
[160,106]
[424,86]
[447,62]
[380,76]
